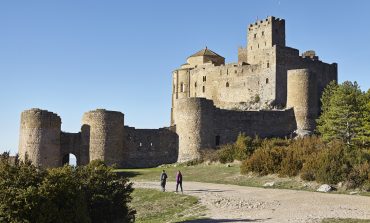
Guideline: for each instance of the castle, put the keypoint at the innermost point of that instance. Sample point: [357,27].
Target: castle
[271,91]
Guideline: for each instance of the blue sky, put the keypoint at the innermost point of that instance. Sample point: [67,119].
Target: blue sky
[73,56]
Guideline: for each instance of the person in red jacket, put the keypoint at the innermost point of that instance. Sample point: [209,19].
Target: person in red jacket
[178,181]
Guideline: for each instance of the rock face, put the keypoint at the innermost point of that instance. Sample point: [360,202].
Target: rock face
[325,188]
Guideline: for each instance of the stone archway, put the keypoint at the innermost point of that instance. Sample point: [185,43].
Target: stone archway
[70,159]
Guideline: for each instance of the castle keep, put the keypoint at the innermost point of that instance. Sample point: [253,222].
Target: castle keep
[272,91]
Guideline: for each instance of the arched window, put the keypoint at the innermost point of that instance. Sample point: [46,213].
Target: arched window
[227,84]
[182,87]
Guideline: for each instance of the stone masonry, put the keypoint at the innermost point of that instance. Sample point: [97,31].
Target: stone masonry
[271,91]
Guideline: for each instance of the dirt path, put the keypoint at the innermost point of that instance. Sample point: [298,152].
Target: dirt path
[230,203]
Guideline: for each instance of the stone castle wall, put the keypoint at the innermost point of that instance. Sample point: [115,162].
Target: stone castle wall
[39,138]
[105,131]
[212,102]
[201,125]
[149,147]
[103,136]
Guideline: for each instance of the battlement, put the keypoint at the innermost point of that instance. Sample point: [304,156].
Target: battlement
[40,118]
[267,21]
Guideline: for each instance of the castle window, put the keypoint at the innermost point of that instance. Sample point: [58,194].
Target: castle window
[251,47]
[268,64]
[255,35]
[151,144]
[204,78]
[217,140]
[173,88]
[204,89]
[182,87]
[195,84]
[235,71]
[265,43]
[227,84]
[263,33]
[140,144]
[258,45]
[267,80]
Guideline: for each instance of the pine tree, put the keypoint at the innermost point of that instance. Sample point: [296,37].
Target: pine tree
[343,114]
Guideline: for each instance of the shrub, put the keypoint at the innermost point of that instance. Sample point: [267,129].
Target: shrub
[263,161]
[226,153]
[297,153]
[329,165]
[93,193]
[359,176]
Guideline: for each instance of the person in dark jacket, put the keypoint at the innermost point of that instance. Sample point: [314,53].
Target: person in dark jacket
[179,181]
[163,180]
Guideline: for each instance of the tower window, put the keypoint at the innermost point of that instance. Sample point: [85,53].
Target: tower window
[263,33]
[182,87]
[267,80]
[251,47]
[204,89]
[258,45]
[195,84]
[173,88]
[265,43]
[268,64]
[204,78]
[227,84]
[255,35]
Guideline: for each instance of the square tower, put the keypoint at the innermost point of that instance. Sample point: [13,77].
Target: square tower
[261,38]
[266,33]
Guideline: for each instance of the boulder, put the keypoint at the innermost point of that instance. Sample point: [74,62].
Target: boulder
[269,184]
[324,188]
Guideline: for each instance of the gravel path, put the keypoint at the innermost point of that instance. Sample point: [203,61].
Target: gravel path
[231,203]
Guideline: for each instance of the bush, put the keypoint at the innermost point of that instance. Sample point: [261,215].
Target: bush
[359,176]
[263,161]
[93,193]
[329,165]
[297,153]
[226,153]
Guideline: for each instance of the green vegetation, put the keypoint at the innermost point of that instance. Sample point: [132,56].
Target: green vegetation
[93,193]
[345,114]
[155,206]
[344,220]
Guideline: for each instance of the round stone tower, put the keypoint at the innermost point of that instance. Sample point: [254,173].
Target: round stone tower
[303,97]
[102,132]
[194,125]
[39,138]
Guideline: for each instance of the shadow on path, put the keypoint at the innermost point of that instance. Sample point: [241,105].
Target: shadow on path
[207,190]
[210,220]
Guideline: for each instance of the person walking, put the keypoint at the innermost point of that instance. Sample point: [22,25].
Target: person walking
[179,181]
[163,180]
